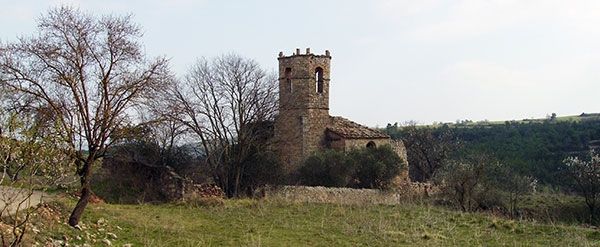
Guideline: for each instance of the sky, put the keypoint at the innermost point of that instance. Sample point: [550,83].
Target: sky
[392,60]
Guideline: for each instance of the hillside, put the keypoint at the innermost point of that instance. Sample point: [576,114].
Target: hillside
[535,147]
[278,223]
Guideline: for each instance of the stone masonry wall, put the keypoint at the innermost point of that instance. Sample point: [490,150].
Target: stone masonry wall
[315,121]
[288,138]
[304,112]
[321,194]
[303,92]
[359,143]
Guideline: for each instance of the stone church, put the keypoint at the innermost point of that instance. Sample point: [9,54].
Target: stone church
[304,124]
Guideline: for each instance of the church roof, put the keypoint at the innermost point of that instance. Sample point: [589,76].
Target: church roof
[351,130]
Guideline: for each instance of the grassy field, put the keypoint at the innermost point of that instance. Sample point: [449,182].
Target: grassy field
[279,223]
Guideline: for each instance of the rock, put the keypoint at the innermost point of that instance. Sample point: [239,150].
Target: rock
[112,235]
[65,238]
[101,221]
[107,242]
[77,227]
[35,230]
[127,245]
[101,229]
[78,238]
[86,245]
[118,227]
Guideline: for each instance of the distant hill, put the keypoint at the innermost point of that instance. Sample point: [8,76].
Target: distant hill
[574,118]
[535,147]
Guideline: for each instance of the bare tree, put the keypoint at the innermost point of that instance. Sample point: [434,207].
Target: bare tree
[227,104]
[86,72]
[427,151]
[586,174]
[514,186]
[461,182]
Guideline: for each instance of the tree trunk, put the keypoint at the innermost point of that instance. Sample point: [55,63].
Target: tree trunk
[84,199]
[592,214]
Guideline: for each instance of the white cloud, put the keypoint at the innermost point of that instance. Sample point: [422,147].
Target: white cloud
[21,11]
[396,9]
[467,18]
[554,76]
[486,89]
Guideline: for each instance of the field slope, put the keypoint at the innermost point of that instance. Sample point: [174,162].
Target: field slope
[277,223]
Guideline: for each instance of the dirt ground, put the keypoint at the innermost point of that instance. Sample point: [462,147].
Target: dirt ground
[13,198]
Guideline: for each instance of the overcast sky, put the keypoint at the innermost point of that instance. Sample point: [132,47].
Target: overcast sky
[392,61]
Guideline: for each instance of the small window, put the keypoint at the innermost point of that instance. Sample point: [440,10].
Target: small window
[288,78]
[319,79]
[371,144]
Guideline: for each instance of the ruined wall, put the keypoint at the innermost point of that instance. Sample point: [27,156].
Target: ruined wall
[321,194]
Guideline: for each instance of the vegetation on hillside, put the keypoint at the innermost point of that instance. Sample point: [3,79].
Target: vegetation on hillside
[534,148]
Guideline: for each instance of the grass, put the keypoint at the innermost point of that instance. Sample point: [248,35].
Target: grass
[278,223]
[555,207]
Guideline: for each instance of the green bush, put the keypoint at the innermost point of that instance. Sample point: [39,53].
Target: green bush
[373,167]
[376,166]
[327,168]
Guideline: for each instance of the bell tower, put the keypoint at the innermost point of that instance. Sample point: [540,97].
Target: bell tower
[303,105]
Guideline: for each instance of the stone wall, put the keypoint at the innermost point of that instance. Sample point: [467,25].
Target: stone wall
[298,133]
[303,93]
[304,112]
[360,143]
[288,139]
[335,141]
[314,123]
[351,196]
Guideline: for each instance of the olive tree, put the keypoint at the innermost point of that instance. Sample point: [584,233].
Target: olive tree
[86,72]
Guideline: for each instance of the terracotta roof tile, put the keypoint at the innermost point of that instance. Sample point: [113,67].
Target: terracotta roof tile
[352,130]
